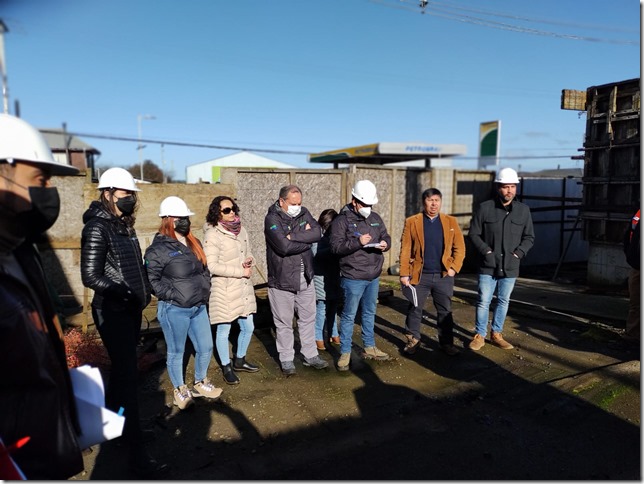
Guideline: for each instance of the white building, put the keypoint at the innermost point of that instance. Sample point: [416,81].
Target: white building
[210,171]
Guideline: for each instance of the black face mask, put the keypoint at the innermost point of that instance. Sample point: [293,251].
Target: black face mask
[126,205]
[45,208]
[182,225]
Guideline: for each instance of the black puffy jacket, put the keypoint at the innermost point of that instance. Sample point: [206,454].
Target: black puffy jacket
[284,257]
[111,261]
[176,275]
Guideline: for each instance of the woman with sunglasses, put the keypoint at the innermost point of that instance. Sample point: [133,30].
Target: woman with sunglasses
[232,295]
[179,276]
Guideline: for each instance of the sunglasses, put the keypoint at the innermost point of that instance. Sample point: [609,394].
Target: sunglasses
[227,210]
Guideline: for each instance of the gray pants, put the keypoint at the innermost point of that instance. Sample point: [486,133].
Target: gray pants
[284,304]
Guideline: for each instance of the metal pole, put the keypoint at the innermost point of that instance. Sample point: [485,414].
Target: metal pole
[3,69]
[139,147]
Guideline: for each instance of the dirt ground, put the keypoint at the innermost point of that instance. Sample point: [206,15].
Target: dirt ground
[564,405]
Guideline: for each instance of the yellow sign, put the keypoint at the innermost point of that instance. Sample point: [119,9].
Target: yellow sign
[337,155]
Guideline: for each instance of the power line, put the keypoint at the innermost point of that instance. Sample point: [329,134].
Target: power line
[174,143]
[435,10]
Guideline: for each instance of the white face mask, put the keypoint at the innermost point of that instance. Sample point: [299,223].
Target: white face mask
[294,210]
[365,211]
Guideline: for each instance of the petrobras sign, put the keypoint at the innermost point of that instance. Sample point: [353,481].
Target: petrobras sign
[415,148]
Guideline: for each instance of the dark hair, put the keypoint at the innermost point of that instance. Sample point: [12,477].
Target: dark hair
[214,211]
[110,205]
[288,189]
[431,192]
[326,217]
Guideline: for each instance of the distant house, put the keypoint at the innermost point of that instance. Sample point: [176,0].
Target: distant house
[71,150]
[210,171]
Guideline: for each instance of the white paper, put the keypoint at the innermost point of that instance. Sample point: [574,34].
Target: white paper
[372,244]
[97,423]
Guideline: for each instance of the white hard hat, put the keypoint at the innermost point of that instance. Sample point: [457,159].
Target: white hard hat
[22,142]
[174,207]
[365,191]
[117,178]
[507,175]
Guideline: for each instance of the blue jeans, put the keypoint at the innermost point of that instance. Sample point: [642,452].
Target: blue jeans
[363,294]
[177,324]
[325,319]
[246,327]
[487,285]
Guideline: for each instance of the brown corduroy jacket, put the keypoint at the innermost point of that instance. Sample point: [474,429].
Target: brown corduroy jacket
[412,246]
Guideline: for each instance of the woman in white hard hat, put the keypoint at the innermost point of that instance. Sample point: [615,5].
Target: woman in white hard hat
[112,266]
[232,296]
[179,276]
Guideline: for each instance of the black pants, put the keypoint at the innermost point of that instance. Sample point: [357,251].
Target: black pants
[441,290]
[120,331]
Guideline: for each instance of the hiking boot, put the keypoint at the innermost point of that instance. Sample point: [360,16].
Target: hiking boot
[206,389]
[288,368]
[229,375]
[335,340]
[182,397]
[316,362]
[412,345]
[497,339]
[373,353]
[477,343]
[320,344]
[240,364]
[450,350]
[343,361]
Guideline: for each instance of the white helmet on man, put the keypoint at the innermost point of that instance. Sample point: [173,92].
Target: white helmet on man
[23,142]
[117,178]
[365,191]
[174,207]
[507,175]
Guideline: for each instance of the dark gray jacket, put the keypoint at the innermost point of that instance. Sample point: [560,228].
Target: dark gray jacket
[284,257]
[506,231]
[357,262]
[176,275]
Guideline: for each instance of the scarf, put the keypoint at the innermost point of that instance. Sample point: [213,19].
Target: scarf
[233,227]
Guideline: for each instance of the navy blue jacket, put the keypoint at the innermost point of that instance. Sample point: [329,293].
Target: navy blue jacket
[175,273]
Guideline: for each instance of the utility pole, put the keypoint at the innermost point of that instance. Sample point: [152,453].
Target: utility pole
[3,69]
[139,117]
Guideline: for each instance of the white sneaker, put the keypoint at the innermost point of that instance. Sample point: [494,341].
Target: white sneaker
[182,397]
[206,389]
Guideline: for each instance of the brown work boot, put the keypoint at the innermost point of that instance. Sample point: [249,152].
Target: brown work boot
[477,343]
[497,339]
[412,345]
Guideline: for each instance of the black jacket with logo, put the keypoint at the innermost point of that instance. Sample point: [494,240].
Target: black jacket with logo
[356,261]
[175,273]
[284,257]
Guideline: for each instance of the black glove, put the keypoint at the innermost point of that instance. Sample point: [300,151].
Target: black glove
[119,292]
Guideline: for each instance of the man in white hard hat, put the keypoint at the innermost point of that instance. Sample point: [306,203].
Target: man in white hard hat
[502,233]
[36,396]
[359,237]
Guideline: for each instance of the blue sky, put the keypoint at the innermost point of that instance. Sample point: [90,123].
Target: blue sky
[303,76]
